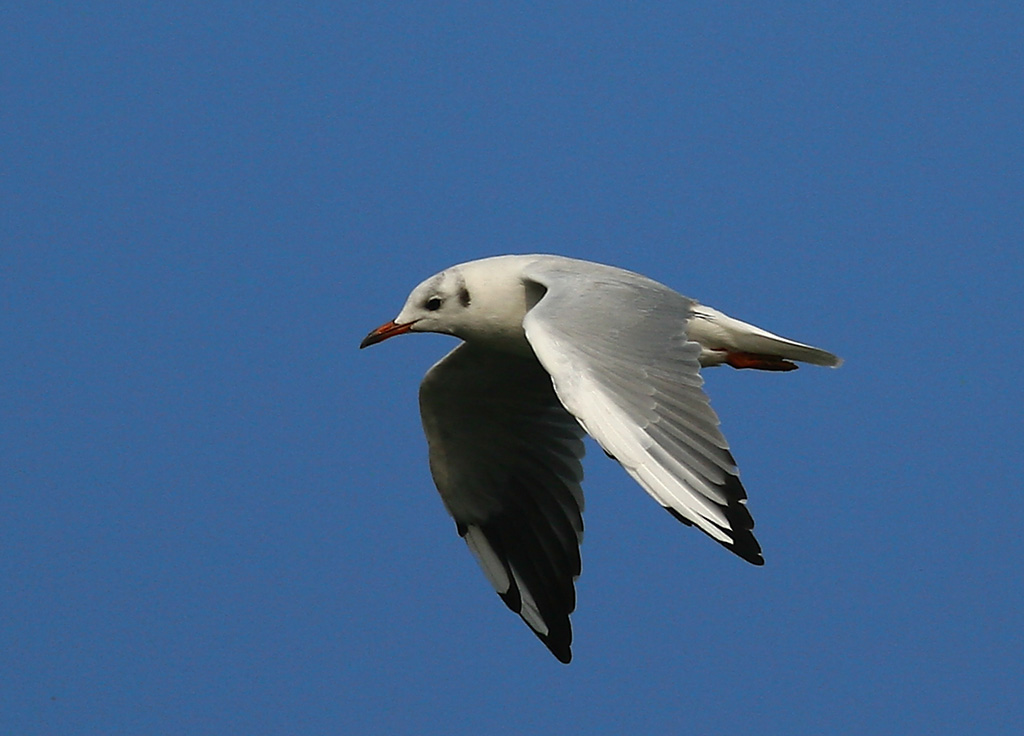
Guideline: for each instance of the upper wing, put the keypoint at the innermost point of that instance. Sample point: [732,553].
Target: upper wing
[616,346]
[505,456]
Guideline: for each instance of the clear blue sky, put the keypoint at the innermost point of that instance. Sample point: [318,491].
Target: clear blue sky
[215,512]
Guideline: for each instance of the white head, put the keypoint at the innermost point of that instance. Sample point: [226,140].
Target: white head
[482,300]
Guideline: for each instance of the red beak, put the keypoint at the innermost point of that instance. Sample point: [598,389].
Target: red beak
[386,330]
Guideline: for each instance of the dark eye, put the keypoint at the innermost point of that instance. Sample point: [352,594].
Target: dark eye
[433,303]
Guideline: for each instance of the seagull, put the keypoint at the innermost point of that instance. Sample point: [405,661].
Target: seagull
[554,348]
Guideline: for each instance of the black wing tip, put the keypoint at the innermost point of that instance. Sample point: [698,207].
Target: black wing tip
[558,639]
[746,547]
[743,544]
[562,652]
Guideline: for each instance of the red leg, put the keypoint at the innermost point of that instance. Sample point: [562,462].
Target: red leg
[760,362]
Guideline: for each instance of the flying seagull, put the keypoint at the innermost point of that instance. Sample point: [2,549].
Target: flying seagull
[553,348]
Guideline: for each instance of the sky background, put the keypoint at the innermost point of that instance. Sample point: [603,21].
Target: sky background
[216,515]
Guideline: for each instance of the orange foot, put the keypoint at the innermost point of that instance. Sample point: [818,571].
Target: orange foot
[760,362]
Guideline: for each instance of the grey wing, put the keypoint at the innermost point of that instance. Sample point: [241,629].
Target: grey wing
[616,346]
[505,456]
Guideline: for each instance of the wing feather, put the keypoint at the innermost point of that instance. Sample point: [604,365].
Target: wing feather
[506,458]
[622,363]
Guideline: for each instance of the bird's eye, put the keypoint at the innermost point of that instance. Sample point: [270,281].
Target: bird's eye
[433,303]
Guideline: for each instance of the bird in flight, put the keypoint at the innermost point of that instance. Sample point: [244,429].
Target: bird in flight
[554,348]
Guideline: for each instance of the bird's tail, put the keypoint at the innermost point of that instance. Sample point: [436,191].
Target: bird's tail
[742,345]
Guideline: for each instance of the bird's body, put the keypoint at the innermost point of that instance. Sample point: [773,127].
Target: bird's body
[555,347]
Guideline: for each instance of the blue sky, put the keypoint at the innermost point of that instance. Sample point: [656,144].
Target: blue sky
[215,512]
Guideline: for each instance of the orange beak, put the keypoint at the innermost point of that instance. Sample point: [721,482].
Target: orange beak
[386,330]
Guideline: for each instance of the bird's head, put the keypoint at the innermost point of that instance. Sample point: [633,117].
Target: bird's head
[483,301]
[440,304]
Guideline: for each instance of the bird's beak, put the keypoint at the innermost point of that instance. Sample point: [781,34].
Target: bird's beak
[386,330]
